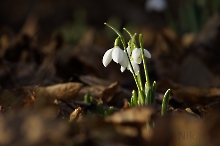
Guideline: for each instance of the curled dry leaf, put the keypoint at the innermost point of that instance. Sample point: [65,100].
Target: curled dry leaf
[109,92]
[188,110]
[64,91]
[76,114]
[133,115]
[132,121]
[189,95]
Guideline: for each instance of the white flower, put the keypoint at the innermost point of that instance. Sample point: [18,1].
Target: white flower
[136,55]
[156,5]
[135,67]
[123,67]
[117,55]
[107,58]
[128,50]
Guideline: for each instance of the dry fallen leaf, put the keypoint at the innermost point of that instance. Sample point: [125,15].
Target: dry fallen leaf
[76,115]
[139,115]
[92,80]
[64,91]
[212,125]
[194,96]
[107,94]
[38,96]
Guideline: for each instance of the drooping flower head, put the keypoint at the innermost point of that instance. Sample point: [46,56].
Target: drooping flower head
[135,58]
[131,53]
[136,55]
[117,54]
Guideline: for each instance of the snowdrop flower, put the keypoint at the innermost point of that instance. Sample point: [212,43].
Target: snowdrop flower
[118,56]
[129,54]
[136,55]
[156,5]
[128,50]
[135,67]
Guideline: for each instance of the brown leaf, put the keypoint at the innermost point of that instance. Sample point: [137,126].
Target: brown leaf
[132,115]
[76,115]
[38,96]
[194,95]
[94,91]
[212,126]
[92,80]
[108,93]
[64,91]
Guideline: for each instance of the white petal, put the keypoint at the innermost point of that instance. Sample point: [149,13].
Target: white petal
[135,67]
[136,55]
[107,57]
[128,50]
[138,60]
[123,69]
[147,53]
[124,61]
[117,54]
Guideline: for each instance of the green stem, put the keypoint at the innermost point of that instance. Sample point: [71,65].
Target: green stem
[144,61]
[128,32]
[140,81]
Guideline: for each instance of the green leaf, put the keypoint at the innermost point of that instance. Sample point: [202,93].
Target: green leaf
[111,110]
[134,98]
[148,95]
[153,93]
[165,102]
[87,98]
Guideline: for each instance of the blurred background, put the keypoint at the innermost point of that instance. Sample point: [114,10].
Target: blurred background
[51,41]
[47,42]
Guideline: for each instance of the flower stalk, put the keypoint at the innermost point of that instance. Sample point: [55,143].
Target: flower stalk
[144,61]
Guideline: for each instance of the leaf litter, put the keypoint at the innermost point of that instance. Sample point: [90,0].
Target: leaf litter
[43,85]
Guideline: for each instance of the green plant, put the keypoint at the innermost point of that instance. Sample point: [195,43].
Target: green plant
[131,58]
[88,98]
[102,111]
